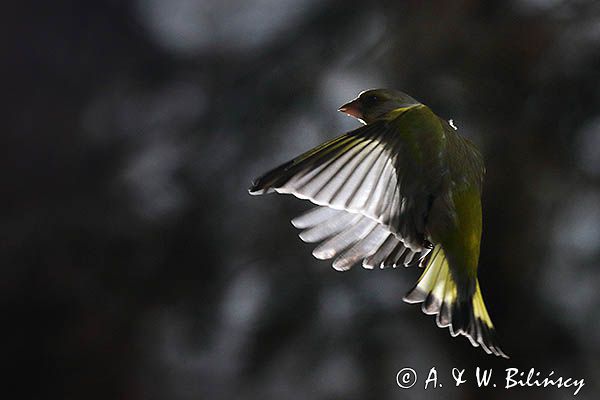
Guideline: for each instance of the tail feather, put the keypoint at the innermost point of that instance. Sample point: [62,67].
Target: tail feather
[460,308]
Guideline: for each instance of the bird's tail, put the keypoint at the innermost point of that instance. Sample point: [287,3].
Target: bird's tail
[458,305]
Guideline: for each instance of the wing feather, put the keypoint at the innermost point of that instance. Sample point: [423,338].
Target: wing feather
[341,221]
[362,249]
[314,217]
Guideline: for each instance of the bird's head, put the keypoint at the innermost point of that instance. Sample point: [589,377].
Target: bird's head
[375,103]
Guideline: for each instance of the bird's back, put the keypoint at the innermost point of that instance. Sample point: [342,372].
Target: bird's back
[455,219]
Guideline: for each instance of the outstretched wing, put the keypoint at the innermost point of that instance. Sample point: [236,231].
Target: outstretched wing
[351,238]
[354,172]
[359,173]
[381,205]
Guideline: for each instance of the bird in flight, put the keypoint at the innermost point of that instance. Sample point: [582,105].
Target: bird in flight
[404,189]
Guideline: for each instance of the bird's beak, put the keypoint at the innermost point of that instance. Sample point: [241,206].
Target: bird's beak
[352,108]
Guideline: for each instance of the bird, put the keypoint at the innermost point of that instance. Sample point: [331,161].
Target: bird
[402,189]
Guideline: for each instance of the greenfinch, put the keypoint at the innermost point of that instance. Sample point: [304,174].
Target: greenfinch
[403,189]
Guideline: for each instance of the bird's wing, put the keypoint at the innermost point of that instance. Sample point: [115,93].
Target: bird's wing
[356,174]
[351,238]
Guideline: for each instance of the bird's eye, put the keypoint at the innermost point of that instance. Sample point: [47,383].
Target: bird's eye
[371,99]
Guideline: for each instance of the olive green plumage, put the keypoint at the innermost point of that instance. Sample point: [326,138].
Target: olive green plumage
[403,189]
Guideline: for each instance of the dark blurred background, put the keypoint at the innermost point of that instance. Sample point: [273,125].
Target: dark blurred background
[136,266]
